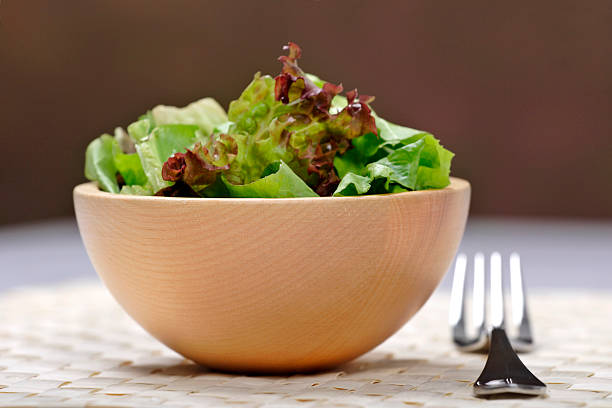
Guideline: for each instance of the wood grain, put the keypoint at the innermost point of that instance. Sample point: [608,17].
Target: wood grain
[272,285]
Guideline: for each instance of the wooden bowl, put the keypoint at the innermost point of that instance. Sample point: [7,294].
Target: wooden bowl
[272,285]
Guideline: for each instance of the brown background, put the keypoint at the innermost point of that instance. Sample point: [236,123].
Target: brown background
[520,91]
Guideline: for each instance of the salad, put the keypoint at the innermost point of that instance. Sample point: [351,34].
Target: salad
[294,135]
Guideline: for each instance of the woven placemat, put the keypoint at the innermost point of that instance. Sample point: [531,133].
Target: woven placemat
[72,346]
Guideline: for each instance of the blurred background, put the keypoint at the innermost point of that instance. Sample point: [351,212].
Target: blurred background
[521,92]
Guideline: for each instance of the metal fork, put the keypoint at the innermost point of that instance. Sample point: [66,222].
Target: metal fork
[504,372]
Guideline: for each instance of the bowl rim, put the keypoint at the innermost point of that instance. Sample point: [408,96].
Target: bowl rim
[91,190]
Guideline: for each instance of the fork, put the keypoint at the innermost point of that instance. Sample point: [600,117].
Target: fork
[503,372]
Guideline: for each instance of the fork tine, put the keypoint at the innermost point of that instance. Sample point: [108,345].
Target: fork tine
[496,291]
[456,315]
[520,316]
[478,294]
[458,308]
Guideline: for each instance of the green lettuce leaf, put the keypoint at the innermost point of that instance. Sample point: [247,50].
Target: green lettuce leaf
[415,162]
[353,184]
[170,139]
[99,163]
[400,166]
[205,113]
[215,190]
[139,130]
[136,190]
[396,188]
[356,159]
[279,181]
[163,142]
[105,161]
[350,162]
[129,166]
[393,133]
[434,165]
[149,116]
[367,145]
[419,164]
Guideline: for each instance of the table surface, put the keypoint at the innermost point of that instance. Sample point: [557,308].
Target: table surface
[555,253]
[72,346]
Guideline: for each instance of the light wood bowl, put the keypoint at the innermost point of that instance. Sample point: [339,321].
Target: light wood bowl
[272,285]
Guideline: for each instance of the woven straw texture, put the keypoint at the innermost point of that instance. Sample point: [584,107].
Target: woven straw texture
[72,346]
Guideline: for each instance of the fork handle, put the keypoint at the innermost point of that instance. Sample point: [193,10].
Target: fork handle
[504,370]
